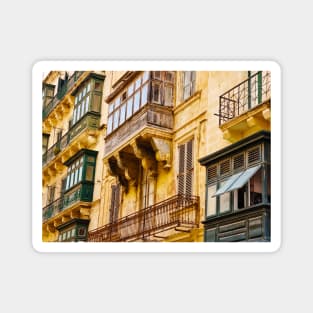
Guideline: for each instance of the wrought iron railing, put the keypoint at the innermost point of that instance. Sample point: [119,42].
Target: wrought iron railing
[245,96]
[178,212]
[88,121]
[52,209]
[82,192]
[60,94]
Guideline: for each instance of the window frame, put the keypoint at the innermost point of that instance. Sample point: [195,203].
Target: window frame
[263,174]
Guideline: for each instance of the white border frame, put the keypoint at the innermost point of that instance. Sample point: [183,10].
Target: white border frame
[120,65]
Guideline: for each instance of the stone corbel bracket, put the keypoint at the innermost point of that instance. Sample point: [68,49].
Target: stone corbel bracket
[162,150]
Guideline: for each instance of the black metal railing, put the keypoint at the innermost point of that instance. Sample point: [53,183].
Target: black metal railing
[177,211]
[61,93]
[82,192]
[245,96]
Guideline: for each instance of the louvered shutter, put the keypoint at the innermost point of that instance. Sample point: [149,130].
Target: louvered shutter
[115,201]
[185,168]
[189,168]
[181,169]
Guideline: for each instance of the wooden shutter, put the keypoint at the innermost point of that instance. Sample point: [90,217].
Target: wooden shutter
[189,168]
[115,203]
[51,193]
[181,169]
[185,168]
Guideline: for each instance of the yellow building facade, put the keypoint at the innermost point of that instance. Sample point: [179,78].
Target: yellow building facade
[121,151]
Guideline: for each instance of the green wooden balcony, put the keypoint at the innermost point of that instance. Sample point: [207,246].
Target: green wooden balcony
[60,94]
[82,192]
[87,122]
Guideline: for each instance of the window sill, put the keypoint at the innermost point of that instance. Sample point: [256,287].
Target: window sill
[241,212]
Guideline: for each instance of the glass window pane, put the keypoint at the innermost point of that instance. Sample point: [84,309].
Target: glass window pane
[67,182]
[225,202]
[145,77]
[256,189]
[224,199]
[111,107]
[123,111]
[117,102]
[76,100]
[138,83]
[80,174]
[130,90]
[72,179]
[144,95]
[116,117]
[187,92]
[74,115]
[87,104]
[187,78]
[79,96]
[73,232]
[240,198]
[129,108]
[110,119]
[211,202]
[78,112]
[84,91]
[83,107]
[136,101]
[88,87]
[76,177]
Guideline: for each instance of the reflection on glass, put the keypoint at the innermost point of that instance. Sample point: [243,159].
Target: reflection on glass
[116,116]
[224,200]
[110,119]
[211,202]
[80,173]
[87,104]
[145,77]
[130,89]
[123,111]
[137,101]
[78,112]
[144,95]
[111,108]
[83,107]
[129,108]
[138,83]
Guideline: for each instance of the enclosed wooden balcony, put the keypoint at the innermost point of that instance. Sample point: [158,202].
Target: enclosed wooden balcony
[246,108]
[81,135]
[68,85]
[73,204]
[153,119]
[251,224]
[179,213]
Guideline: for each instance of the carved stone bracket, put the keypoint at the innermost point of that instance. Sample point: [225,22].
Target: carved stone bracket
[147,158]
[162,150]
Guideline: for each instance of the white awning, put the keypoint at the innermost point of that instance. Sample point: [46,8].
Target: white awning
[227,184]
[237,180]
